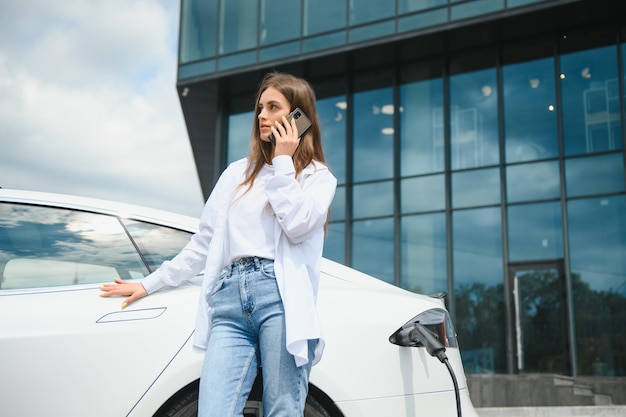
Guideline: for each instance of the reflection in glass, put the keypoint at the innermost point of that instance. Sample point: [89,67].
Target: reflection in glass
[478,288]
[421,127]
[476,188]
[474,119]
[332,116]
[157,243]
[324,15]
[335,243]
[477,246]
[238,26]
[535,231]
[535,181]
[373,134]
[239,133]
[423,194]
[198,21]
[372,200]
[45,247]
[539,314]
[530,110]
[594,175]
[597,242]
[590,96]
[280,20]
[372,243]
[424,253]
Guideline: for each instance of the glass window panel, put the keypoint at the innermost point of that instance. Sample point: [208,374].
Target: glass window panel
[475,8]
[530,111]
[423,194]
[535,231]
[197,32]
[407,6]
[197,68]
[536,181]
[373,248]
[239,134]
[423,249]
[591,109]
[372,31]
[516,3]
[597,243]
[372,200]
[280,51]
[238,25]
[338,206]
[324,15]
[476,188]
[624,79]
[332,116]
[474,119]
[324,41]
[373,134]
[47,247]
[157,243]
[237,60]
[335,243]
[362,11]
[594,175]
[280,20]
[421,127]
[422,20]
[478,289]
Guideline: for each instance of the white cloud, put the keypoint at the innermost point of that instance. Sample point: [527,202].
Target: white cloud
[88,103]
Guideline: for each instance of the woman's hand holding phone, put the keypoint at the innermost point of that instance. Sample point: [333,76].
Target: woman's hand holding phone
[293,126]
[285,137]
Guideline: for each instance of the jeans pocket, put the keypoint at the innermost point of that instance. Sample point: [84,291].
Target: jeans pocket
[267,269]
[219,284]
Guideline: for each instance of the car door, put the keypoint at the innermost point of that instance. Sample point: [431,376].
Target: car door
[63,349]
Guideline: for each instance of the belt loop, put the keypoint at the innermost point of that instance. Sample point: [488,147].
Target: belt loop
[257,263]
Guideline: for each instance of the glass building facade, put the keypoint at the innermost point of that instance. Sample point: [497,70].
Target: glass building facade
[479,149]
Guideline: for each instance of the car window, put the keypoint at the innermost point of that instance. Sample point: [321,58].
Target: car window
[46,246]
[157,243]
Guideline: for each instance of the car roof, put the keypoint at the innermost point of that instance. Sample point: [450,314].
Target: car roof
[95,205]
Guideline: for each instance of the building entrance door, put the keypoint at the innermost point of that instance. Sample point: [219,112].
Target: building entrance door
[539,315]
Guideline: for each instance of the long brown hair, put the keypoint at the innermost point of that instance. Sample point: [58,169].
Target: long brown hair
[298,93]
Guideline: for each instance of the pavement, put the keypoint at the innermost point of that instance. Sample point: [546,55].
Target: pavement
[576,411]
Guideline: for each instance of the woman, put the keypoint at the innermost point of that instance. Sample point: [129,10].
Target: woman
[260,243]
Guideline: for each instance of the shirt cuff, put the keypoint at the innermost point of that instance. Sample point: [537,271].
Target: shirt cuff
[283,165]
[152,283]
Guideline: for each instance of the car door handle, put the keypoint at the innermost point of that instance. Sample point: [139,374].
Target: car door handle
[128,315]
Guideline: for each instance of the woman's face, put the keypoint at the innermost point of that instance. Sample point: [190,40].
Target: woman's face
[272,107]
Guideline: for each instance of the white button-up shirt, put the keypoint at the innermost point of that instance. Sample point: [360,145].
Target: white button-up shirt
[301,207]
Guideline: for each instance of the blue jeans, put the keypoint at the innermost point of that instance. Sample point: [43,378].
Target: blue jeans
[248,331]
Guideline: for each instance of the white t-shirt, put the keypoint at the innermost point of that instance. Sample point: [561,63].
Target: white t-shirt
[251,220]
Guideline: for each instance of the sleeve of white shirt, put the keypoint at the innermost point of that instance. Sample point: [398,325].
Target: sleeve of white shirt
[192,258]
[301,210]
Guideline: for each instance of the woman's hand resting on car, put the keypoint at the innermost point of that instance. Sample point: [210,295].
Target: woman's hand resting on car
[133,290]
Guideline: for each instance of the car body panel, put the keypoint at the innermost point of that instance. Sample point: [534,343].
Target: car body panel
[66,351]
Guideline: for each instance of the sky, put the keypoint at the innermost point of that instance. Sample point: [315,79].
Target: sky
[88,102]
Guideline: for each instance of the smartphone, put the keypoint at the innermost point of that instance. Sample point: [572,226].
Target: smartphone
[303,123]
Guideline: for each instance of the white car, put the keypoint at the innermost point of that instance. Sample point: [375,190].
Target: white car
[65,351]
